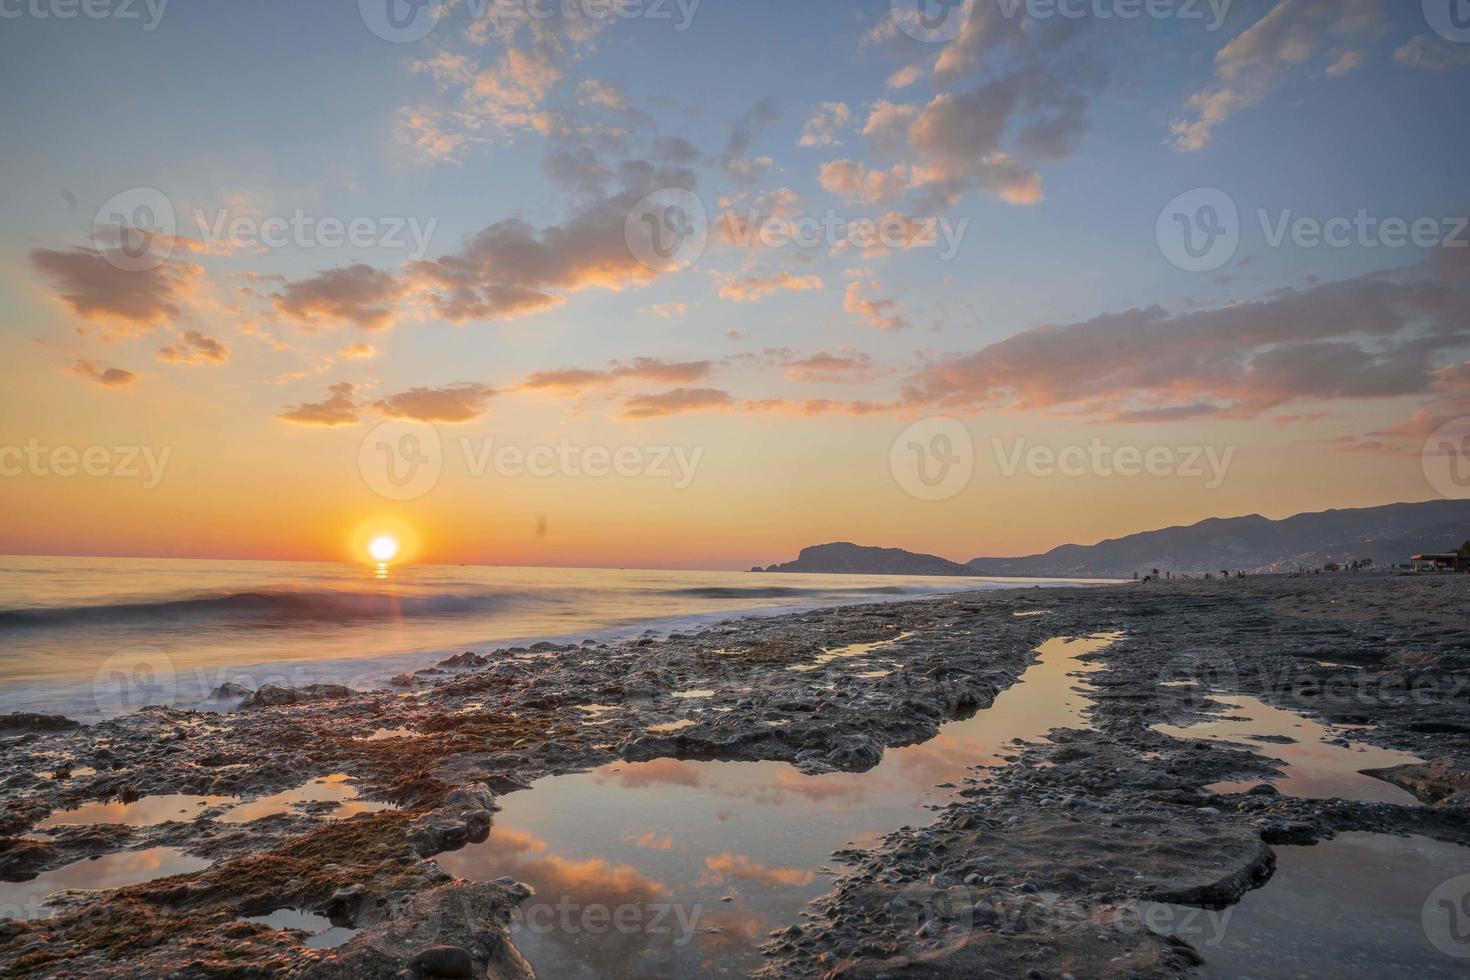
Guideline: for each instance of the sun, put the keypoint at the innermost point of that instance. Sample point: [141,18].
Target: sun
[383,548]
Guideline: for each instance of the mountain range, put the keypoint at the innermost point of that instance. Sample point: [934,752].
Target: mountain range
[1387,535]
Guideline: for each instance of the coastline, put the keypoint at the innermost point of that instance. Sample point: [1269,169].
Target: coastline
[336,624]
[486,726]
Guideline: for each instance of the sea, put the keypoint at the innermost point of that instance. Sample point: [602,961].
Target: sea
[92,638]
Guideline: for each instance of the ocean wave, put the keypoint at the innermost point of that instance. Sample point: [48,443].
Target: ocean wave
[262,608]
[787,592]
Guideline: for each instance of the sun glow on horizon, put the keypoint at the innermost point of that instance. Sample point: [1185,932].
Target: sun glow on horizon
[384,548]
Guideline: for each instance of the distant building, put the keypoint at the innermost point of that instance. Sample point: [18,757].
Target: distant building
[1449,562]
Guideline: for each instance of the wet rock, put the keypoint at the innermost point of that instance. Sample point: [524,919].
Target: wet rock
[26,721]
[465,661]
[444,961]
[855,754]
[271,695]
[229,691]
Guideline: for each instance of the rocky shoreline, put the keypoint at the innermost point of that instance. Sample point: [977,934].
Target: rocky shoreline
[1039,868]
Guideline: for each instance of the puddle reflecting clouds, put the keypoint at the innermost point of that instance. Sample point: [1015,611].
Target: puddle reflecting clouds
[1315,767]
[673,867]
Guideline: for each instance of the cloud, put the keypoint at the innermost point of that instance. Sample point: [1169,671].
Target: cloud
[340,408]
[357,294]
[357,352]
[106,377]
[640,368]
[1376,336]
[569,379]
[824,124]
[667,311]
[822,366]
[855,183]
[495,79]
[606,94]
[462,402]
[956,142]
[905,77]
[512,268]
[99,291]
[1349,61]
[193,347]
[1431,54]
[1261,59]
[743,134]
[887,126]
[878,313]
[675,402]
[740,867]
[988,36]
[492,101]
[753,288]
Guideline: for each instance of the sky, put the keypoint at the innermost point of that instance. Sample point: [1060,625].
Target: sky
[663,284]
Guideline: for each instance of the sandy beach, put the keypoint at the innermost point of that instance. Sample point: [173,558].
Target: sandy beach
[352,811]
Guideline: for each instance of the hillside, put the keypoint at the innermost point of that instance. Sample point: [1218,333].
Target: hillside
[1387,535]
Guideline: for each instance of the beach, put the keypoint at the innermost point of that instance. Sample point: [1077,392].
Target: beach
[1029,781]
